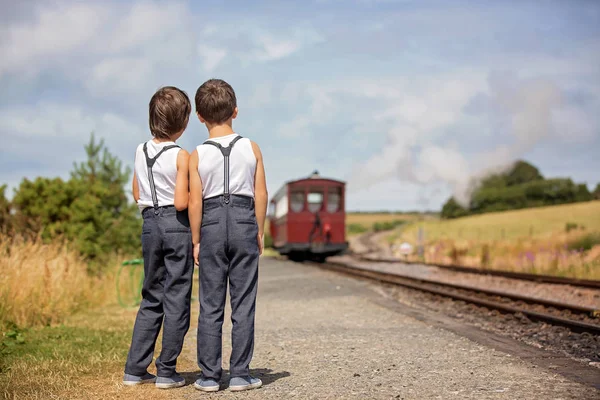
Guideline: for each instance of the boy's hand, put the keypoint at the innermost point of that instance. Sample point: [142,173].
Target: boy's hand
[196,253]
[261,244]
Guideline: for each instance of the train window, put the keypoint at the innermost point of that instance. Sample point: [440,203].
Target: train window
[281,208]
[334,198]
[315,201]
[297,201]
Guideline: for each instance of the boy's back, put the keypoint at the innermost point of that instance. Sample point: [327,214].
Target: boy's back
[242,167]
[228,201]
[160,187]
[164,173]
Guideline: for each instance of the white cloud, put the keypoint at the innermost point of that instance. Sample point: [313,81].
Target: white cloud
[64,122]
[54,32]
[211,56]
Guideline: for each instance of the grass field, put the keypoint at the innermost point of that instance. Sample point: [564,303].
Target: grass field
[357,223]
[559,240]
[537,222]
[62,333]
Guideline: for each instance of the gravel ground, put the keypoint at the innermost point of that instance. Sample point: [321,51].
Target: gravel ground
[583,347]
[320,335]
[556,292]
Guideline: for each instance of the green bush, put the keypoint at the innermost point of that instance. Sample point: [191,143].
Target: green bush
[570,226]
[585,242]
[89,210]
[268,241]
[356,228]
[387,225]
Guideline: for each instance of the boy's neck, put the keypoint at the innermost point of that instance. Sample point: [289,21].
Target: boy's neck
[156,140]
[216,131]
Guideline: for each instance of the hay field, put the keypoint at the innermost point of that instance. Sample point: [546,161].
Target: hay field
[561,240]
[532,222]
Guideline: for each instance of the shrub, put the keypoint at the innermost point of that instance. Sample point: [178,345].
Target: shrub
[570,226]
[268,241]
[386,226]
[356,228]
[585,242]
[90,209]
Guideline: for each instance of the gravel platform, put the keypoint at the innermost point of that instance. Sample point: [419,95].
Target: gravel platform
[320,335]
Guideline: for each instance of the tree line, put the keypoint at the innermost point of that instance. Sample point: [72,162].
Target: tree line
[90,210]
[522,186]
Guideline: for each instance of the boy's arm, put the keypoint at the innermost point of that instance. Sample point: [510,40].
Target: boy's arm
[181,184]
[195,206]
[135,188]
[260,194]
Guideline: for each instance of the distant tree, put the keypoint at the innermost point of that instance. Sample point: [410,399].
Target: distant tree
[90,209]
[596,192]
[522,186]
[452,209]
[522,172]
[5,208]
[43,206]
[583,193]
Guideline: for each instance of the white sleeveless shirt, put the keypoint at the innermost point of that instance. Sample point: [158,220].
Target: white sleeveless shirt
[164,172]
[242,165]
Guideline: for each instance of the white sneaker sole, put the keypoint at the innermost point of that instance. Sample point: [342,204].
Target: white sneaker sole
[135,383]
[245,387]
[206,388]
[170,385]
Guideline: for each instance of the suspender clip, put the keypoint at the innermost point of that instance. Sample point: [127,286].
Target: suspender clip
[226,198]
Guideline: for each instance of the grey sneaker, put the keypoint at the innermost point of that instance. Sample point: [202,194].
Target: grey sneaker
[239,383]
[171,382]
[132,380]
[207,385]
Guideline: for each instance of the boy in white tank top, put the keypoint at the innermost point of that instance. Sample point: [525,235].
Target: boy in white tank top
[228,205]
[160,188]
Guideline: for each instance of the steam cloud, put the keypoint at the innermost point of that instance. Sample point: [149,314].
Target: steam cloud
[523,109]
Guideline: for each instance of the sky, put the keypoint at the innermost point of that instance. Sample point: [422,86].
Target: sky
[406,101]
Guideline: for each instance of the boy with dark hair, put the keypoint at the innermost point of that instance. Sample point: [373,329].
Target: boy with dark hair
[228,205]
[160,188]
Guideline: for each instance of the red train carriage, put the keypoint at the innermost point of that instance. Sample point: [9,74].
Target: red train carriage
[307,218]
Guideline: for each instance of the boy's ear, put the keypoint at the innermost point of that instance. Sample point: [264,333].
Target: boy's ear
[200,117]
[235,113]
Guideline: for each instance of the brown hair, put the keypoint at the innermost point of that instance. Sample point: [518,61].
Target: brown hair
[215,101]
[170,111]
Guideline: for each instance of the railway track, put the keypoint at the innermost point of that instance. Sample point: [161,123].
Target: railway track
[372,256]
[576,318]
[482,271]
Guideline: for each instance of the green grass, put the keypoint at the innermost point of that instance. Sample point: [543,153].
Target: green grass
[42,362]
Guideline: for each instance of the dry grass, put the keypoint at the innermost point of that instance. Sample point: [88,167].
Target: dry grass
[532,240]
[41,284]
[535,222]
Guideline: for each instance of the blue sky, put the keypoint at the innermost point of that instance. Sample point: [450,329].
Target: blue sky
[404,100]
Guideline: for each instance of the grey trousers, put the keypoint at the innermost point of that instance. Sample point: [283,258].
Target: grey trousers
[166,294]
[228,252]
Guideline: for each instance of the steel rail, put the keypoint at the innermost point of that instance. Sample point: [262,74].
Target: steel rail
[588,283]
[428,286]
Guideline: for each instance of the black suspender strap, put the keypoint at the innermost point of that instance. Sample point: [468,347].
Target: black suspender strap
[150,163]
[226,151]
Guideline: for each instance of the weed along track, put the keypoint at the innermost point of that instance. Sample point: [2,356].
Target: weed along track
[573,329]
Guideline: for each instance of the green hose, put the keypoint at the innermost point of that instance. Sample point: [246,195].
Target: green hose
[135,291]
